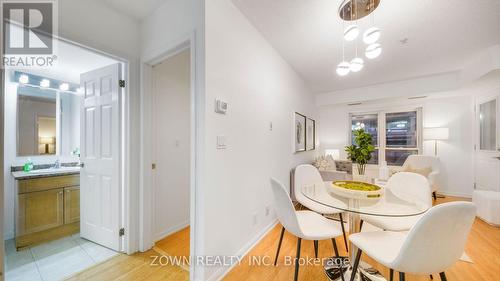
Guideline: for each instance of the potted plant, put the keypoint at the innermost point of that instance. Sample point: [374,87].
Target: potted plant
[361,151]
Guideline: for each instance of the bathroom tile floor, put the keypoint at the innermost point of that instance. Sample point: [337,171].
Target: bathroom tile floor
[54,260]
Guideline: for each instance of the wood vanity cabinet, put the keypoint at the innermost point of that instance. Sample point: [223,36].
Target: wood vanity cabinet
[47,208]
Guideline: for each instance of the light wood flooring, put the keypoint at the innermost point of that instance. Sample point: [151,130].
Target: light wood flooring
[483,247]
[139,266]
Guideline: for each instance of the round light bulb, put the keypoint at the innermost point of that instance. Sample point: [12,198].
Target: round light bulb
[45,83]
[371,35]
[343,68]
[24,79]
[351,32]
[64,87]
[356,64]
[373,51]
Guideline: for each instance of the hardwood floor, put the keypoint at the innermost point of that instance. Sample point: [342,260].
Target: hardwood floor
[483,247]
[176,244]
[139,266]
[134,267]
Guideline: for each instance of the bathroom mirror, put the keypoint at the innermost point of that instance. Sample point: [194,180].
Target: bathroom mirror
[48,122]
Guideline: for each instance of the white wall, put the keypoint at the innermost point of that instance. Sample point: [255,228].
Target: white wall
[453,109]
[170,24]
[243,69]
[171,83]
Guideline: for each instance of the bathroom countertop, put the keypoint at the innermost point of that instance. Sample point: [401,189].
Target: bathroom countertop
[43,173]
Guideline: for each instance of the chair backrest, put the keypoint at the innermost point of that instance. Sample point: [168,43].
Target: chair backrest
[437,240]
[284,208]
[410,187]
[305,174]
[422,161]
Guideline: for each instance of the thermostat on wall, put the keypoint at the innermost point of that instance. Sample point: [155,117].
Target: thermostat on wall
[220,106]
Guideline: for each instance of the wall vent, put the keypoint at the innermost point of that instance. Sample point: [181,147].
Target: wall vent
[416,98]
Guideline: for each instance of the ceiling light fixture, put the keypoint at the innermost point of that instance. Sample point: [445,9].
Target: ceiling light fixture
[343,68]
[371,35]
[373,51]
[24,79]
[64,87]
[352,11]
[351,32]
[45,83]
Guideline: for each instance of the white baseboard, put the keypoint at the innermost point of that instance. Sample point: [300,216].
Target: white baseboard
[170,230]
[223,271]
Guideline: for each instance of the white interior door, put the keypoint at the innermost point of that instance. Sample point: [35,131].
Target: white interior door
[100,154]
[487,147]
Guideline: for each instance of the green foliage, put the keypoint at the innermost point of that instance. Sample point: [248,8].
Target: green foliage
[360,152]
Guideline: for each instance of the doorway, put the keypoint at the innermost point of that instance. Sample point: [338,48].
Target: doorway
[171,154]
[487,143]
[63,144]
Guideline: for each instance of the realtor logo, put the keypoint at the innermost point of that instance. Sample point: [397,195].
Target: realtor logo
[28,32]
[28,28]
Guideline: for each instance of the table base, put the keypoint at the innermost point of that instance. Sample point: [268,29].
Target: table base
[365,272]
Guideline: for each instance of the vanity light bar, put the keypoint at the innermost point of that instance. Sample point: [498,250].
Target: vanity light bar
[43,82]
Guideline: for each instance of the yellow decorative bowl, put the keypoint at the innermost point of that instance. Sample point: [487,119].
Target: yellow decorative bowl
[357,190]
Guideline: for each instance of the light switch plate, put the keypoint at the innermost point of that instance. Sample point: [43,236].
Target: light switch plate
[221,142]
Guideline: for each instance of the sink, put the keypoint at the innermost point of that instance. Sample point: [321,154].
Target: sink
[55,170]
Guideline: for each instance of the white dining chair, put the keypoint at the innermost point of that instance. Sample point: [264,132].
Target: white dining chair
[402,187]
[306,225]
[425,162]
[435,243]
[306,174]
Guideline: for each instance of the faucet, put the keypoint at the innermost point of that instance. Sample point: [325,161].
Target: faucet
[57,164]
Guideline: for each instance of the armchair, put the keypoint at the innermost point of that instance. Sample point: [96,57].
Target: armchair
[428,166]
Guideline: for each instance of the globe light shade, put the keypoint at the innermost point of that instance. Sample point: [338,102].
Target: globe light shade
[45,83]
[351,32]
[24,79]
[64,87]
[343,68]
[371,35]
[356,64]
[373,51]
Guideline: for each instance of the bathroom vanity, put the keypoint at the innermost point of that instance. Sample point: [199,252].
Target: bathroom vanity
[47,205]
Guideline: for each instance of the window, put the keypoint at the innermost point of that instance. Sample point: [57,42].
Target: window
[395,134]
[369,122]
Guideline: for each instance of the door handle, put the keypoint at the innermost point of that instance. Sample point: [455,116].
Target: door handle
[82,165]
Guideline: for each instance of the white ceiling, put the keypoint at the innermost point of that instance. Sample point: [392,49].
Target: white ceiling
[138,9]
[71,62]
[442,36]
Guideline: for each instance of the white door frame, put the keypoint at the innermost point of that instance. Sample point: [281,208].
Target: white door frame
[146,192]
[129,221]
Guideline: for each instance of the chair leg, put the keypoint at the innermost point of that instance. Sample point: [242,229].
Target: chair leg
[335,249]
[401,276]
[432,277]
[297,258]
[279,246]
[443,276]
[360,225]
[434,195]
[356,263]
[343,231]
[316,248]
[391,274]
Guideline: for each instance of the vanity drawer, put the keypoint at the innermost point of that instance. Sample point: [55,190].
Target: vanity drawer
[40,184]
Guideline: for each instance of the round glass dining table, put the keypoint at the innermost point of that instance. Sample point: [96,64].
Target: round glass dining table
[388,205]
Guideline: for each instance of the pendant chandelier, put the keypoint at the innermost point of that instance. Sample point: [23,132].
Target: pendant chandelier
[350,11]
